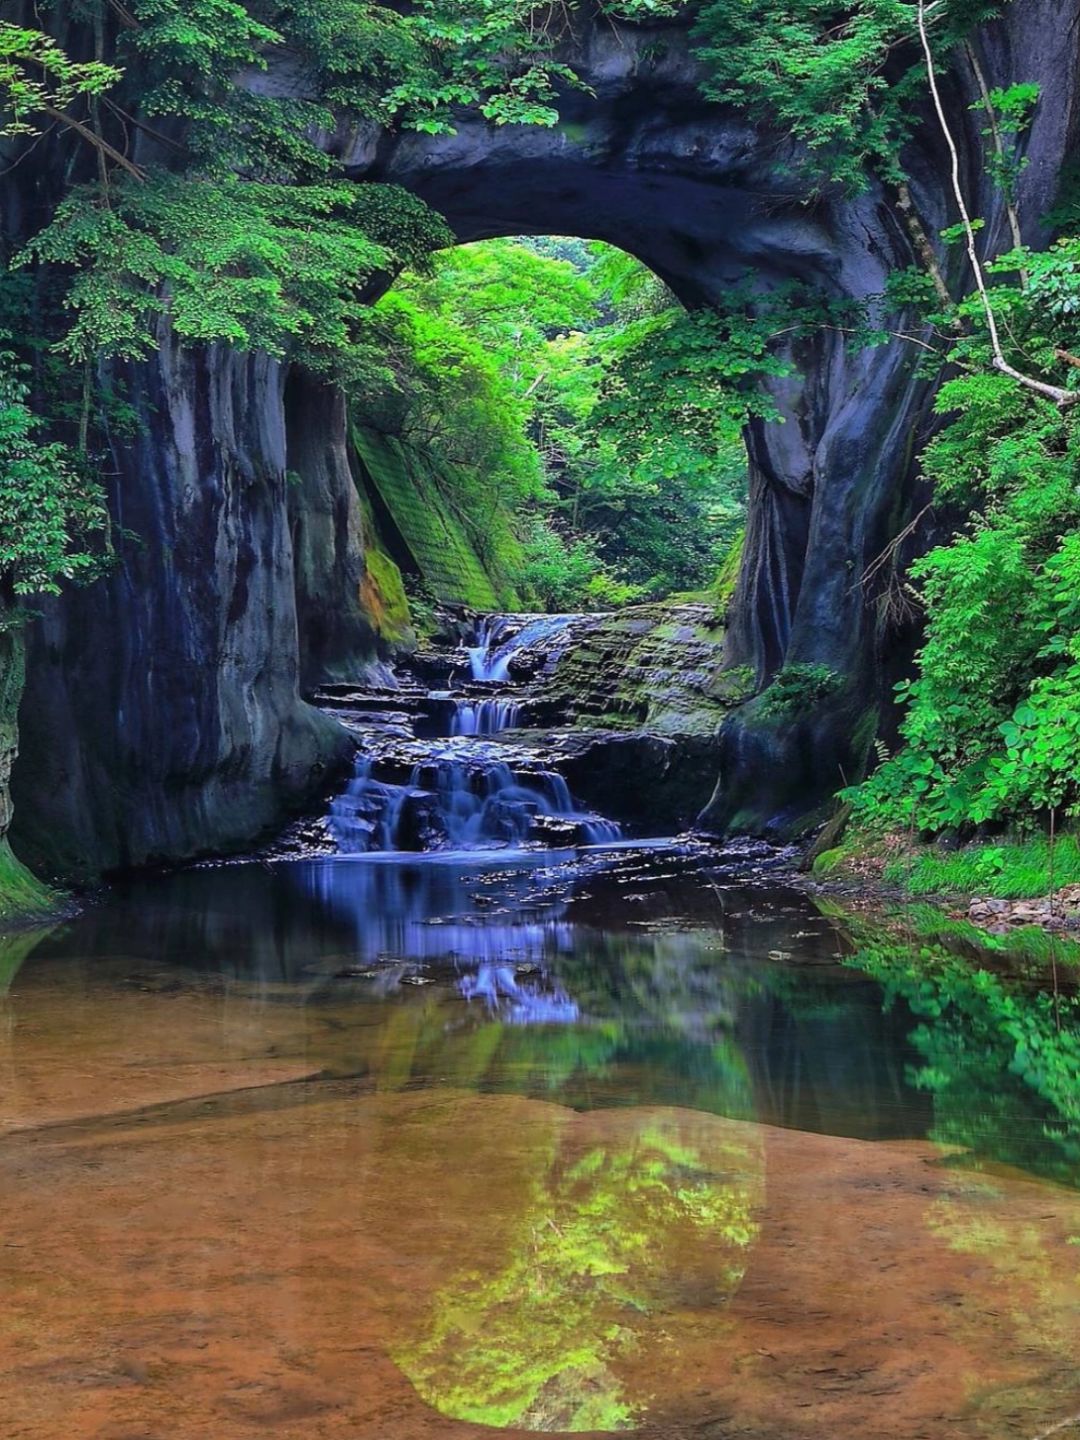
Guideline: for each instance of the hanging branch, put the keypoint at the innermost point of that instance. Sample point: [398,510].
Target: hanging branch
[101,145]
[999,150]
[893,546]
[1059,396]
[919,238]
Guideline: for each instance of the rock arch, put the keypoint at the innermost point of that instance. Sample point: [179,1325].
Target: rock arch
[205,620]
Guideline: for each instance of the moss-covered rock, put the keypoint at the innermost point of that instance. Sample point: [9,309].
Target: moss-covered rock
[640,696]
[656,667]
[408,494]
[21,893]
[382,593]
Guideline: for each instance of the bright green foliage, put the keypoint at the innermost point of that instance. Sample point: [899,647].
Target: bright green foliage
[1011,112]
[992,730]
[358,51]
[1014,871]
[49,509]
[281,268]
[565,386]
[840,82]
[499,57]
[37,78]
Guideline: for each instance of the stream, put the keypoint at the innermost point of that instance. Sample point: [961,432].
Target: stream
[431,772]
[463,1127]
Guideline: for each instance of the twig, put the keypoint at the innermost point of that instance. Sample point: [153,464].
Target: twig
[890,550]
[1040,387]
[29,150]
[919,238]
[95,140]
[126,18]
[130,119]
[851,330]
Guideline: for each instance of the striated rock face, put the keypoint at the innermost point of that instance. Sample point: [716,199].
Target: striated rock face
[334,625]
[162,714]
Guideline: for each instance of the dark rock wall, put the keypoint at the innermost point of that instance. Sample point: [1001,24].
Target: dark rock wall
[334,629]
[162,714]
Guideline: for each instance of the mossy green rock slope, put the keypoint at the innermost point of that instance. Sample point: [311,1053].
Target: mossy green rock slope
[658,667]
[21,894]
[409,494]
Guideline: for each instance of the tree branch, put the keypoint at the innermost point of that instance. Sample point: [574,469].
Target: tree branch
[99,144]
[1040,387]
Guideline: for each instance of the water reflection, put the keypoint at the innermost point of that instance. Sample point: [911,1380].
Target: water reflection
[608,1233]
[508,1123]
[668,987]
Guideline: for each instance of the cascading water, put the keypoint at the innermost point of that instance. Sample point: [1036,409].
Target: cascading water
[494,649]
[460,804]
[460,790]
[483,662]
[484,717]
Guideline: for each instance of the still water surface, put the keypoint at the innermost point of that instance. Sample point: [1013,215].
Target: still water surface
[418,1146]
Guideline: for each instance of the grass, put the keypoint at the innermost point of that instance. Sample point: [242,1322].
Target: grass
[1015,870]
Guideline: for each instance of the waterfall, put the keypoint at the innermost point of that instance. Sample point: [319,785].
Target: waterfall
[450,786]
[491,654]
[483,662]
[484,717]
[460,804]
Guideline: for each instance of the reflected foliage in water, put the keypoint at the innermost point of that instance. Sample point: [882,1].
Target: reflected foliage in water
[528,1109]
[604,1237]
[999,1050]
[633,979]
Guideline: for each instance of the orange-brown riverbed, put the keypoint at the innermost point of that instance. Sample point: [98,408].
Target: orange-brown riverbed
[238,1202]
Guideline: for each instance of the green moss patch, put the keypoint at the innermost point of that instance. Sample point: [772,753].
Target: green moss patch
[21,893]
[728,577]
[382,594]
[410,502]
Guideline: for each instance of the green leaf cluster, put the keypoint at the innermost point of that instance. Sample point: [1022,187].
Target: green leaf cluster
[991,732]
[840,81]
[568,389]
[51,511]
[280,268]
[38,79]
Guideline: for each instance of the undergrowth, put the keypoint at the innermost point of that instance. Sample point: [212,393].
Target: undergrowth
[1006,869]
[1011,870]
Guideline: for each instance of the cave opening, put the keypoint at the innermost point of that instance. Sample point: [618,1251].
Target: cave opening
[555,401]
